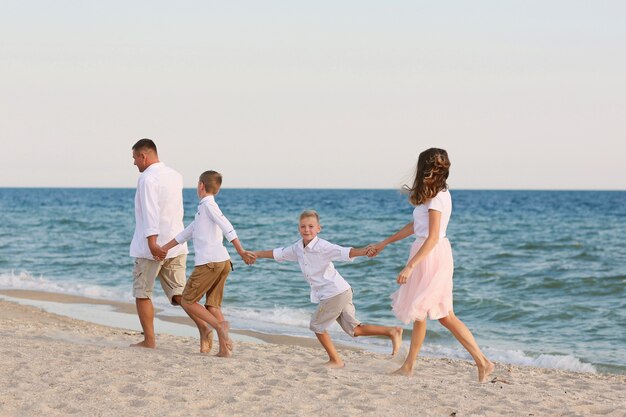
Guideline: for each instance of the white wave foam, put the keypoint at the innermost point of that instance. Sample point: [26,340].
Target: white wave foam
[278,315]
[564,362]
[26,281]
[515,357]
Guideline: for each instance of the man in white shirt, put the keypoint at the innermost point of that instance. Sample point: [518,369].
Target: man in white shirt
[328,288]
[158,218]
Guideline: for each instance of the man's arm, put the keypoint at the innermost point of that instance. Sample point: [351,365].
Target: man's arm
[157,251]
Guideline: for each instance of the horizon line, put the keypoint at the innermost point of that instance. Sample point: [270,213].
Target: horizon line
[311,188]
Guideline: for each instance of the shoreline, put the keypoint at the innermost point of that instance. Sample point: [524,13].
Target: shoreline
[57,365]
[129,309]
[122,314]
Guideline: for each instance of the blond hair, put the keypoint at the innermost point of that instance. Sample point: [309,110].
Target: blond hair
[310,213]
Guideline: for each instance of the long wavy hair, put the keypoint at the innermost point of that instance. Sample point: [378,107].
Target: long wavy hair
[433,167]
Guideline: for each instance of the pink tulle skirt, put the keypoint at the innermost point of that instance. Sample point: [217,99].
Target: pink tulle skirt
[428,291]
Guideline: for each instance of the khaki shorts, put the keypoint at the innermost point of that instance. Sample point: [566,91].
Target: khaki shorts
[171,273]
[208,279]
[338,308]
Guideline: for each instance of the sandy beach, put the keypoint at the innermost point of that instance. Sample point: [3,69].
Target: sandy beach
[56,366]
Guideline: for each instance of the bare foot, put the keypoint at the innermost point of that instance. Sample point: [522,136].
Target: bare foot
[229,341]
[403,371]
[206,341]
[224,339]
[335,364]
[485,371]
[224,352]
[144,344]
[396,340]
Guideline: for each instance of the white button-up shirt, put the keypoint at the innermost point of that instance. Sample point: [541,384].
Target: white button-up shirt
[158,210]
[316,264]
[208,230]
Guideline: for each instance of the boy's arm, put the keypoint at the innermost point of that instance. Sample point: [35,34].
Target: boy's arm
[279,254]
[267,254]
[221,221]
[247,256]
[354,252]
[169,245]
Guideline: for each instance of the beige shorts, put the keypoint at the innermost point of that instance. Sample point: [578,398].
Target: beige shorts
[208,279]
[171,273]
[338,308]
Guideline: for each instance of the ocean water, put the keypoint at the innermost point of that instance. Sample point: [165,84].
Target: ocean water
[540,276]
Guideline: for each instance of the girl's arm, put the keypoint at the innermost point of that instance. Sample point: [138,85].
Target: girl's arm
[434,221]
[375,248]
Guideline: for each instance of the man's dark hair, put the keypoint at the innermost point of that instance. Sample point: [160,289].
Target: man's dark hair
[144,144]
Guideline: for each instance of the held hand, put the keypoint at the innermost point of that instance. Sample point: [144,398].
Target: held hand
[248,257]
[157,252]
[373,249]
[404,275]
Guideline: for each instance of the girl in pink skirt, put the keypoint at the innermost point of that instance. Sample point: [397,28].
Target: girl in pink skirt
[426,280]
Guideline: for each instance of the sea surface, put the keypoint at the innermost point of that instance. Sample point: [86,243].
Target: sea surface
[540,276]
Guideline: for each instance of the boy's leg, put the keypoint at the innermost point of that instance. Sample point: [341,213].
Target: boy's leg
[201,280]
[348,322]
[326,313]
[393,333]
[334,360]
[203,314]
[215,294]
[172,277]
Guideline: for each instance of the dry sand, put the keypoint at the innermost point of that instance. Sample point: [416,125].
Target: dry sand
[52,365]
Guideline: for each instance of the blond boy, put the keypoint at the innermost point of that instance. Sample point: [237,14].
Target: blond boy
[328,288]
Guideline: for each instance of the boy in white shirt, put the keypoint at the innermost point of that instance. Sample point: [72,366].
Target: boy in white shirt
[212,263]
[328,288]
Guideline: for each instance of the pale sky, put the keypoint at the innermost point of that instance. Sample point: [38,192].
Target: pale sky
[325,94]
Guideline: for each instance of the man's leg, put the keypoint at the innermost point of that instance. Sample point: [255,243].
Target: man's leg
[145,311]
[144,274]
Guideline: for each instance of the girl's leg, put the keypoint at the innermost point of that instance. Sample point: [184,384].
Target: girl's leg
[465,337]
[417,338]
[393,333]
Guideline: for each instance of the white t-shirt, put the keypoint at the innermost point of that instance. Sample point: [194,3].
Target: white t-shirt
[208,230]
[158,210]
[442,202]
[316,264]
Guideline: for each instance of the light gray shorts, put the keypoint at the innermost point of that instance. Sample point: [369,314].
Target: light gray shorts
[171,273]
[338,308]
